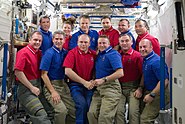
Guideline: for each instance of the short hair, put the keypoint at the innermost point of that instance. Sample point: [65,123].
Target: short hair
[34,32]
[145,22]
[126,35]
[43,16]
[85,35]
[58,32]
[105,17]
[84,16]
[104,36]
[150,42]
[124,20]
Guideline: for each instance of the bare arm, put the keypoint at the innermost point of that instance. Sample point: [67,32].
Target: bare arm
[117,74]
[47,82]
[72,75]
[54,94]
[23,79]
[142,81]
[156,90]
[138,92]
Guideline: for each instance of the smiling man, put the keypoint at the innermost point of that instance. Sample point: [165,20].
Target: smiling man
[106,97]
[141,28]
[130,82]
[56,90]
[44,23]
[79,67]
[110,32]
[152,76]
[84,22]
[124,28]
[29,78]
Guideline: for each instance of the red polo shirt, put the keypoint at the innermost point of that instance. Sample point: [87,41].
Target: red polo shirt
[112,34]
[28,61]
[81,63]
[155,42]
[132,65]
[66,44]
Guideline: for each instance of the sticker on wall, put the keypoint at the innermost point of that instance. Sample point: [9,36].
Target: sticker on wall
[180,82]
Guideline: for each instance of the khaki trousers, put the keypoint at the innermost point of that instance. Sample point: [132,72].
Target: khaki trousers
[64,111]
[151,110]
[128,89]
[133,108]
[104,103]
[32,103]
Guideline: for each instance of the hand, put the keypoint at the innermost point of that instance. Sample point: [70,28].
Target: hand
[35,90]
[148,98]
[138,93]
[99,82]
[88,85]
[93,82]
[55,97]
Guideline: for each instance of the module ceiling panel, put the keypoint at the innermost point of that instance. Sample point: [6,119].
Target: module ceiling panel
[96,7]
[100,8]
[87,1]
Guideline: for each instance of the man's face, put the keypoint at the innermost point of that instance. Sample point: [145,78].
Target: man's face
[123,26]
[125,42]
[67,29]
[35,41]
[140,28]
[145,47]
[83,43]
[103,44]
[45,24]
[106,23]
[58,41]
[84,24]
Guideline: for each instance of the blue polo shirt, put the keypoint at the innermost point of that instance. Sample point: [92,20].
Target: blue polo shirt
[133,39]
[52,62]
[93,34]
[107,62]
[151,71]
[46,40]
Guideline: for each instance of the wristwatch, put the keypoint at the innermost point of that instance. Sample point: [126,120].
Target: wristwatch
[152,95]
[105,79]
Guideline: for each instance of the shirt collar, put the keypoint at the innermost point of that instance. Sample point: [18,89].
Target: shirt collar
[108,30]
[82,52]
[106,50]
[143,36]
[41,30]
[150,55]
[82,32]
[32,49]
[57,49]
[125,32]
[68,37]
[129,52]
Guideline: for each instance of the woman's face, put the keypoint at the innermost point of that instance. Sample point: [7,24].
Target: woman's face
[67,29]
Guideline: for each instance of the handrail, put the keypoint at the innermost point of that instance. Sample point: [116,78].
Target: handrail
[5,58]
[162,79]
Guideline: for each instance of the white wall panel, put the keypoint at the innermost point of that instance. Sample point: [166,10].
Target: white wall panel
[5,25]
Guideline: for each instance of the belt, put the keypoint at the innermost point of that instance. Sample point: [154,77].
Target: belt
[58,82]
[35,82]
[130,84]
